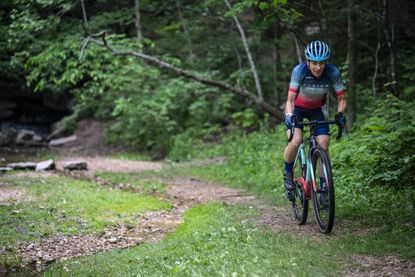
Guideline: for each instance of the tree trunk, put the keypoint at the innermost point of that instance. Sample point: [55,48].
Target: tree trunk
[238,56]
[139,33]
[248,52]
[351,48]
[185,31]
[277,62]
[297,48]
[375,74]
[389,30]
[84,14]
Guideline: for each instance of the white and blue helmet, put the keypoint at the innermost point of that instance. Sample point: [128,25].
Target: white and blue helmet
[317,51]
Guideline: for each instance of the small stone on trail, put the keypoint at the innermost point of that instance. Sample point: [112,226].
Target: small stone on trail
[4,170]
[62,141]
[45,165]
[25,165]
[112,240]
[76,165]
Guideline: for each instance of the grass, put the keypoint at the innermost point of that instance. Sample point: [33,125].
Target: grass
[219,240]
[28,157]
[132,156]
[254,164]
[214,240]
[135,180]
[69,206]
[389,239]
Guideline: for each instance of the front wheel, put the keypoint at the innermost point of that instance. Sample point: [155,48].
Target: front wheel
[300,203]
[323,191]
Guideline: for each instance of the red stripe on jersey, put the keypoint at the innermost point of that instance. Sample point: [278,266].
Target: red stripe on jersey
[340,92]
[306,104]
[294,90]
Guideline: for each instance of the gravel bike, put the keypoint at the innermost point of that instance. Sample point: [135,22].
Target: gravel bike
[313,179]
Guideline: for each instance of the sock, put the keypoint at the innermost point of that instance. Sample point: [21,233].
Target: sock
[289,166]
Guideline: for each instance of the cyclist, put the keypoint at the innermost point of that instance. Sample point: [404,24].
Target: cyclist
[309,85]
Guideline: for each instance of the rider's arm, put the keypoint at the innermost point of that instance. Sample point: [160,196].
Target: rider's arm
[289,105]
[336,79]
[296,76]
[341,107]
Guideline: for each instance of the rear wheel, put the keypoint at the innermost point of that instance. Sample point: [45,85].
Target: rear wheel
[323,191]
[300,203]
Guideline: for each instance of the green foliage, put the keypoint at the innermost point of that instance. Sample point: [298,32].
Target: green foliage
[148,109]
[187,145]
[254,161]
[149,120]
[130,156]
[212,241]
[132,181]
[372,168]
[56,69]
[246,119]
[385,149]
[392,238]
[68,206]
[114,18]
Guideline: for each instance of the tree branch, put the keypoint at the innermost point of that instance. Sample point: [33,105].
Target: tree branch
[164,65]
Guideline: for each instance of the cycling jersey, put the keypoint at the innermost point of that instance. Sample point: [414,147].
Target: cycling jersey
[310,90]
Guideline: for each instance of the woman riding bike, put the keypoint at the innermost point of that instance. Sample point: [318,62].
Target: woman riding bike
[310,83]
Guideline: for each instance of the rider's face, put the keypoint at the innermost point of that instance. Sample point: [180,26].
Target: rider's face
[316,68]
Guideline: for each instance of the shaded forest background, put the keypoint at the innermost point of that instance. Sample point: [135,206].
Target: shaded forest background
[247,47]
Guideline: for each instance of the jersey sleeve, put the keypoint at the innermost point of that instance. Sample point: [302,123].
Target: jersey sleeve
[295,79]
[337,82]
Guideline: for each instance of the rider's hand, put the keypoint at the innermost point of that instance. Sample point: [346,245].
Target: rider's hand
[290,120]
[340,118]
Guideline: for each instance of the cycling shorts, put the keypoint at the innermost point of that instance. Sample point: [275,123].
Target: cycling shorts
[312,114]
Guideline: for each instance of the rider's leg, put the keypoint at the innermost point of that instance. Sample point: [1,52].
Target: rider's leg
[322,134]
[323,141]
[289,157]
[292,147]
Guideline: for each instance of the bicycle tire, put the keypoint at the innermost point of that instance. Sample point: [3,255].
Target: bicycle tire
[323,199]
[300,203]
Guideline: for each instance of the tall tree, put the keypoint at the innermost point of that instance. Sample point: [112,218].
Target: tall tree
[277,60]
[379,27]
[138,28]
[84,13]
[351,48]
[389,29]
[248,52]
[186,32]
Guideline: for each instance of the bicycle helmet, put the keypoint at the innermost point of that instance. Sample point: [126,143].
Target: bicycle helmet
[317,51]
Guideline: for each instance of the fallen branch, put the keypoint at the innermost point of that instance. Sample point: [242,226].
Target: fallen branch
[164,65]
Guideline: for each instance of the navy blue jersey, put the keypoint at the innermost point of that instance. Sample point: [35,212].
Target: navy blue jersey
[311,90]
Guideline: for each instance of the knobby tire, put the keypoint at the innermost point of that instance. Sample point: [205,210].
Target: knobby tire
[300,203]
[323,200]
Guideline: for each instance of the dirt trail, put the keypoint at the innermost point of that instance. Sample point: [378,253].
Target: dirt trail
[183,193]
